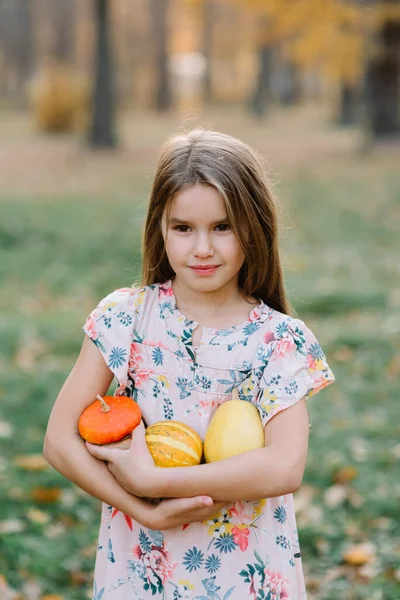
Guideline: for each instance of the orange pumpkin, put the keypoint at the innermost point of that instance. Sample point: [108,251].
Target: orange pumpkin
[109,420]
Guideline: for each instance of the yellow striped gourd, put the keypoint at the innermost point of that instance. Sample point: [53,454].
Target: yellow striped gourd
[174,444]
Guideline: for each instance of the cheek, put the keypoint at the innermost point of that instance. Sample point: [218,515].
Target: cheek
[234,249]
[174,247]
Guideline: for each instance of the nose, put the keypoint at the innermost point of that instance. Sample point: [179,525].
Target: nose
[203,246]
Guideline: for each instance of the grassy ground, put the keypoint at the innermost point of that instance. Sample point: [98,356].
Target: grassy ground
[70,227]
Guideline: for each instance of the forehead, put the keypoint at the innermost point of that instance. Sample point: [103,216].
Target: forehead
[198,203]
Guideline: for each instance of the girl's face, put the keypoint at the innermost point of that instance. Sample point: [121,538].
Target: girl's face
[198,235]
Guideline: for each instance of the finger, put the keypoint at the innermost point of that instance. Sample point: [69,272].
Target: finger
[138,445]
[99,452]
[203,514]
[177,506]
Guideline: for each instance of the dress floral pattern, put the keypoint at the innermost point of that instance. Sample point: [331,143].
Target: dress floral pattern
[248,549]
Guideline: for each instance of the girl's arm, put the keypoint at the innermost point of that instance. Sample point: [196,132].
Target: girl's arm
[274,470]
[65,450]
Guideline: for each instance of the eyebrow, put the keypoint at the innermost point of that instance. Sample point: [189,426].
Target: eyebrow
[175,220]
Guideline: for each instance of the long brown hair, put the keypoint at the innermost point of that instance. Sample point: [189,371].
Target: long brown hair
[235,170]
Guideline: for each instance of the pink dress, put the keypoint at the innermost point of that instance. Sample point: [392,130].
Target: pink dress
[248,549]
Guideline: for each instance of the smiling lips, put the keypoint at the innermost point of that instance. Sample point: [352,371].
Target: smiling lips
[205,269]
[204,266]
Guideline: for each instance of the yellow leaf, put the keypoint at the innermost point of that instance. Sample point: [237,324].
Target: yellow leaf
[37,516]
[31,462]
[359,554]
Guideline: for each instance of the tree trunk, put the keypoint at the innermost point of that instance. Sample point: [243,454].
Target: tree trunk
[208,21]
[261,93]
[349,105]
[102,128]
[289,93]
[163,85]
[17,44]
[383,86]
[62,17]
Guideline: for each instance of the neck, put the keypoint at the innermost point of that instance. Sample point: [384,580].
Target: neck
[205,302]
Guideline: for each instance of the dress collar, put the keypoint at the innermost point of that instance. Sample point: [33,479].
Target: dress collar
[179,322]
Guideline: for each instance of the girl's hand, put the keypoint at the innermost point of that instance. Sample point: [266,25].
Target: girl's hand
[176,512]
[134,468]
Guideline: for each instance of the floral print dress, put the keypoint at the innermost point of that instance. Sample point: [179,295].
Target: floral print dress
[247,549]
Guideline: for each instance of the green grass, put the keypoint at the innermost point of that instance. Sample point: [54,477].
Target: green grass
[341,251]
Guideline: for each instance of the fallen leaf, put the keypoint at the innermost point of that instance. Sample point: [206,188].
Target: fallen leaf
[369,571]
[335,495]
[352,530]
[395,451]
[54,530]
[393,368]
[16,493]
[6,429]
[314,515]
[38,516]
[46,495]
[89,551]
[31,462]
[6,592]
[332,574]
[358,448]
[68,497]
[360,554]
[394,297]
[30,351]
[31,590]
[51,597]
[355,498]
[343,355]
[322,545]
[303,497]
[12,526]
[382,523]
[78,578]
[67,520]
[345,474]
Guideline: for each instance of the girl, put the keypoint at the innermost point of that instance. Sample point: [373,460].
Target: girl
[210,315]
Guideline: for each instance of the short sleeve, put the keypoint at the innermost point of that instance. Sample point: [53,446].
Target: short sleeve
[295,366]
[110,326]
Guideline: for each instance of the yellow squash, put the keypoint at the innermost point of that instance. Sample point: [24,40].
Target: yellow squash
[235,427]
[174,444]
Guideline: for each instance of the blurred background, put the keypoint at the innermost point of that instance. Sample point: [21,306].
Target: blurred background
[89,89]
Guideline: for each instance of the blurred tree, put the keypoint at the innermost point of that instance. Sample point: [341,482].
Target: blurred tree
[334,38]
[160,10]
[383,84]
[62,22]
[349,104]
[16,46]
[207,43]
[287,87]
[102,128]
[260,95]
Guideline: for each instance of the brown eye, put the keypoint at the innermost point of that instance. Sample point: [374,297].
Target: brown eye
[224,226]
[180,228]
